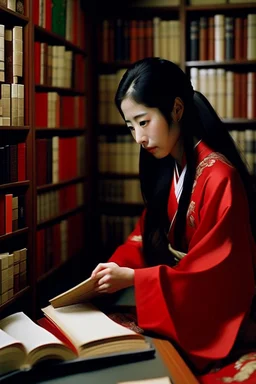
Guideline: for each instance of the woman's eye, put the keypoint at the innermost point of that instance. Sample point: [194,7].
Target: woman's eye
[130,127]
[143,123]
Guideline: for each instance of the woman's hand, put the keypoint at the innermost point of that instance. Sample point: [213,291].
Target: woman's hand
[112,278]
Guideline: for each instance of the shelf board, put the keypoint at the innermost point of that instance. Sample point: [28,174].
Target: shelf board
[17,184]
[249,123]
[220,7]
[7,17]
[67,131]
[13,234]
[16,297]
[217,64]
[110,175]
[60,184]
[43,35]
[14,128]
[62,216]
[60,90]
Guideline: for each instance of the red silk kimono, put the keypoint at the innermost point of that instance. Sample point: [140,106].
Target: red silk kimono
[201,302]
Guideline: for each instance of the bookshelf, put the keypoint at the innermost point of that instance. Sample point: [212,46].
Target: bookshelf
[160,28]
[50,141]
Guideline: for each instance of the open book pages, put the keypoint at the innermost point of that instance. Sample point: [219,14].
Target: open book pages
[23,343]
[92,332]
[78,294]
[158,380]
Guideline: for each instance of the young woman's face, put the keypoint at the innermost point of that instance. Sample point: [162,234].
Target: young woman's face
[151,130]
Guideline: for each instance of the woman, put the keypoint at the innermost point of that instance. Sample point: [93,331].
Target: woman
[191,256]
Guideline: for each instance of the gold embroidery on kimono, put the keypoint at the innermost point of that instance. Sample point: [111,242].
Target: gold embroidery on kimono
[209,161]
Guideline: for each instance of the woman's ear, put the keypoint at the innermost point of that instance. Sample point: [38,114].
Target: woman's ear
[178,110]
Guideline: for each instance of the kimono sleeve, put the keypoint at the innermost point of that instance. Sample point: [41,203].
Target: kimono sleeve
[129,254]
[202,302]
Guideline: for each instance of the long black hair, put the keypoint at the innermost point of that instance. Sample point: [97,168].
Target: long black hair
[155,83]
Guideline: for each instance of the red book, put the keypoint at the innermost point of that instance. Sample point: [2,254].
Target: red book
[41,109]
[133,41]
[2,212]
[8,213]
[238,38]
[41,161]
[48,15]
[36,11]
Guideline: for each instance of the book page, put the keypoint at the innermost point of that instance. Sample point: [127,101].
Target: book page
[81,292]
[84,323]
[7,340]
[23,329]
[158,380]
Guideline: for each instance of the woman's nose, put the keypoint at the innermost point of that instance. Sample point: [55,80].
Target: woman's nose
[140,137]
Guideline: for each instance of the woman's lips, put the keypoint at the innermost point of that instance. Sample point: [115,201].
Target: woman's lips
[151,149]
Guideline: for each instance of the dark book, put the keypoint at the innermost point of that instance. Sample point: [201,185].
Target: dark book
[13,163]
[229,38]
[194,40]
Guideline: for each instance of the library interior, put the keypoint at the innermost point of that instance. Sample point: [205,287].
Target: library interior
[73,197]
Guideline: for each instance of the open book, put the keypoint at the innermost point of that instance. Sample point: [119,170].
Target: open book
[78,294]
[92,332]
[24,344]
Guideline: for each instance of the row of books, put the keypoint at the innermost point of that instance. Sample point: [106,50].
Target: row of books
[13,273]
[246,144]
[12,213]
[11,53]
[14,5]
[12,105]
[232,94]
[62,17]
[58,243]
[120,191]
[107,86]
[116,229]
[221,37]
[54,165]
[57,202]
[55,111]
[13,163]
[131,40]
[118,154]
[58,67]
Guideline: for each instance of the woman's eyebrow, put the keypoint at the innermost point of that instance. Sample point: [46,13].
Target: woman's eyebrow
[136,117]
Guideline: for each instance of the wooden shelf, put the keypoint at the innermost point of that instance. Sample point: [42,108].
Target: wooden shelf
[16,297]
[217,64]
[240,121]
[7,17]
[109,175]
[14,128]
[43,35]
[60,90]
[62,216]
[220,7]
[17,184]
[60,184]
[14,234]
[66,132]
